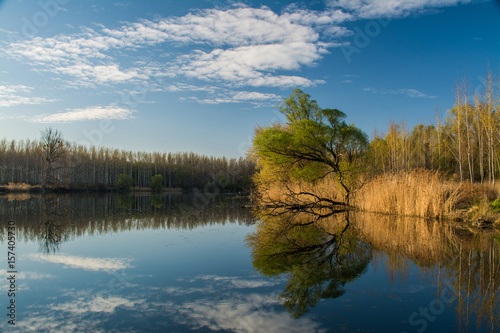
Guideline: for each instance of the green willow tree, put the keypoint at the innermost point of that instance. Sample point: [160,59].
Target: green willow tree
[313,144]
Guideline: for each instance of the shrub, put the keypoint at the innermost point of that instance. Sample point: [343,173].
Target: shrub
[125,182]
[495,205]
[157,183]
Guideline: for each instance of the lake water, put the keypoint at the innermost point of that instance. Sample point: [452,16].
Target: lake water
[110,263]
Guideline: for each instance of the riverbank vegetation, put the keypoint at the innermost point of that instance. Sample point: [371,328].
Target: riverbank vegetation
[446,169]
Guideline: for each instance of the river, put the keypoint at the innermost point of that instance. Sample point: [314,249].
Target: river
[182,263]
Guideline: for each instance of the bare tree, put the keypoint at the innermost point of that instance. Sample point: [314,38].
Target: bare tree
[53,150]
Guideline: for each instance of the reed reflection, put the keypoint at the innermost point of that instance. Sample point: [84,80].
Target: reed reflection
[459,256]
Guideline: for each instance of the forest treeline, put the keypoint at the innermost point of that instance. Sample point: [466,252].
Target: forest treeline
[55,162]
[465,144]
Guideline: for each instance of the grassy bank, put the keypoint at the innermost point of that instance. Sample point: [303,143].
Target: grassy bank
[419,193]
[428,194]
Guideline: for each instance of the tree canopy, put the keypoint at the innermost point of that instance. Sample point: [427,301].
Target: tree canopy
[313,144]
[157,183]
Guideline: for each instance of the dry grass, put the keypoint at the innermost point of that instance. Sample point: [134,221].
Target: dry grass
[420,193]
[297,192]
[17,187]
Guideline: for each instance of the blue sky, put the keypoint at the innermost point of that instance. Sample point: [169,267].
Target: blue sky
[200,75]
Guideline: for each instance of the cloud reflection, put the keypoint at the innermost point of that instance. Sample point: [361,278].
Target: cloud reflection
[248,313]
[235,310]
[96,304]
[86,263]
[209,302]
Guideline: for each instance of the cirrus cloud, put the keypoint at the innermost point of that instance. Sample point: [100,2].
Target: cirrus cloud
[89,113]
[413,93]
[12,95]
[369,9]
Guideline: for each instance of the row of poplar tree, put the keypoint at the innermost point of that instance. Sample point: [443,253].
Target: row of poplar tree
[466,143]
[54,161]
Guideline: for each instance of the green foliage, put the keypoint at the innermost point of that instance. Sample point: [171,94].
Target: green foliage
[495,205]
[313,143]
[157,183]
[125,182]
[299,106]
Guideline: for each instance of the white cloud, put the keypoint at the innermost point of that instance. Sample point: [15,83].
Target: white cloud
[236,27]
[89,113]
[176,87]
[368,9]
[282,81]
[22,276]
[86,263]
[220,308]
[316,18]
[413,93]
[246,46]
[5,90]
[243,65]
[11,95]
[242,283]
[240,46]
[252,97]
[100,74]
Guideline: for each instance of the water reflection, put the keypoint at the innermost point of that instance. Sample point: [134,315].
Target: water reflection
[179,263]
[320,255]
[51,220]
[320,252]
[459,256]
[141,264]
[53,235]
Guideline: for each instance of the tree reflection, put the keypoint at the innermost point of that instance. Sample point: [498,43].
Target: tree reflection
[320,252]
[53,234]
[50,220]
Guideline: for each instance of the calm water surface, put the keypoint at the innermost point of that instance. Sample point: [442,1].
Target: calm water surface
[145,263]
